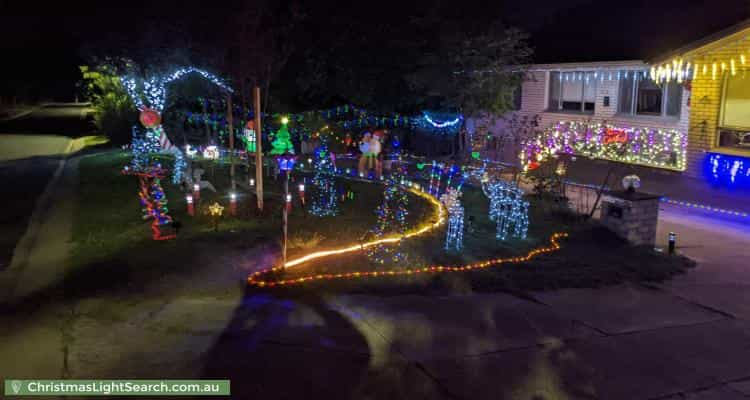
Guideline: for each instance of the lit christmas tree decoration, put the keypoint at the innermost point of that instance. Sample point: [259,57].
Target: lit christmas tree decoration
[324,200]
[391,218]
[282,143]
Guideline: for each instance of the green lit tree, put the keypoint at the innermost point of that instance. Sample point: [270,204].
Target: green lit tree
[281,143]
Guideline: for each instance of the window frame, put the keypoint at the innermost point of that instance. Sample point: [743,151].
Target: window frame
[560,80]
[634,101]
[722,106]
[721,127]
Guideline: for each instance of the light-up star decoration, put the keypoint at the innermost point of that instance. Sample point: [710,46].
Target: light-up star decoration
[215,210]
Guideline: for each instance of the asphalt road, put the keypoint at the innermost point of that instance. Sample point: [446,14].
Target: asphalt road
[66,119]
[25,178]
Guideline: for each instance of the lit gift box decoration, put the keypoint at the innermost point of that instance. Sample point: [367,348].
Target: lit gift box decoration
[286,161]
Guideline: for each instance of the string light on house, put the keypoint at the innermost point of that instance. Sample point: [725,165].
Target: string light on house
[731,171]
[654,147]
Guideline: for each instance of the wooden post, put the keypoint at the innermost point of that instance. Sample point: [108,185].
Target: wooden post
[258,149]
[230,128]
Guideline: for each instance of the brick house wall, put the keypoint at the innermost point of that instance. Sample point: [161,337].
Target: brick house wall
[707,98]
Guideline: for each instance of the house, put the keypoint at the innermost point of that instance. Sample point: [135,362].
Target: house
[682,116]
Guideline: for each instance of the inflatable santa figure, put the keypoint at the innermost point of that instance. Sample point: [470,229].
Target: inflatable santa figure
[370,148]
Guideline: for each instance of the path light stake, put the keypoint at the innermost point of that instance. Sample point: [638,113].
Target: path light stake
[196,192]
[190,205]
[672,242]
[233,204]
[286,164]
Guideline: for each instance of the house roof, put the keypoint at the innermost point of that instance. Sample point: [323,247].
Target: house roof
[730,33]
[592,65]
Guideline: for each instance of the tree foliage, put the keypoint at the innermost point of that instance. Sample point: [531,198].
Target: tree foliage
[115,113]
[474,73]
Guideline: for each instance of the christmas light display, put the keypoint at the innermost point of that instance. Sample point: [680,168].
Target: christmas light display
[435,177]
[454,236]
[149,96]
[441,124]
[256,278]
[507,208]
[281,143]
[732,171]
[644,146]
[704,207]
[324,202]
[248,137]
[422,229]
[153,200]
[215,211]
[391,217]
[712,61]
[211,153]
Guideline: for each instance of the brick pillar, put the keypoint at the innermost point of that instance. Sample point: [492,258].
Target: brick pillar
[631,215]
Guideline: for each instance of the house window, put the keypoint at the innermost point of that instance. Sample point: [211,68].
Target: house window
[734,122]
[642,96]
[572,91]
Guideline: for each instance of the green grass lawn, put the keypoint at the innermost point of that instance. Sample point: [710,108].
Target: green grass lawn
[110,234]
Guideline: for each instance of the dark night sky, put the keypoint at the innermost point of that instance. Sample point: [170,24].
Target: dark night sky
[42,43]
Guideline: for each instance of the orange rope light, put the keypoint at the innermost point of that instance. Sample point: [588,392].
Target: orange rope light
[424,229]
[255,279]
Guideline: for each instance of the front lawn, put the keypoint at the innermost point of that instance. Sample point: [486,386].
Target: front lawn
[110,235]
